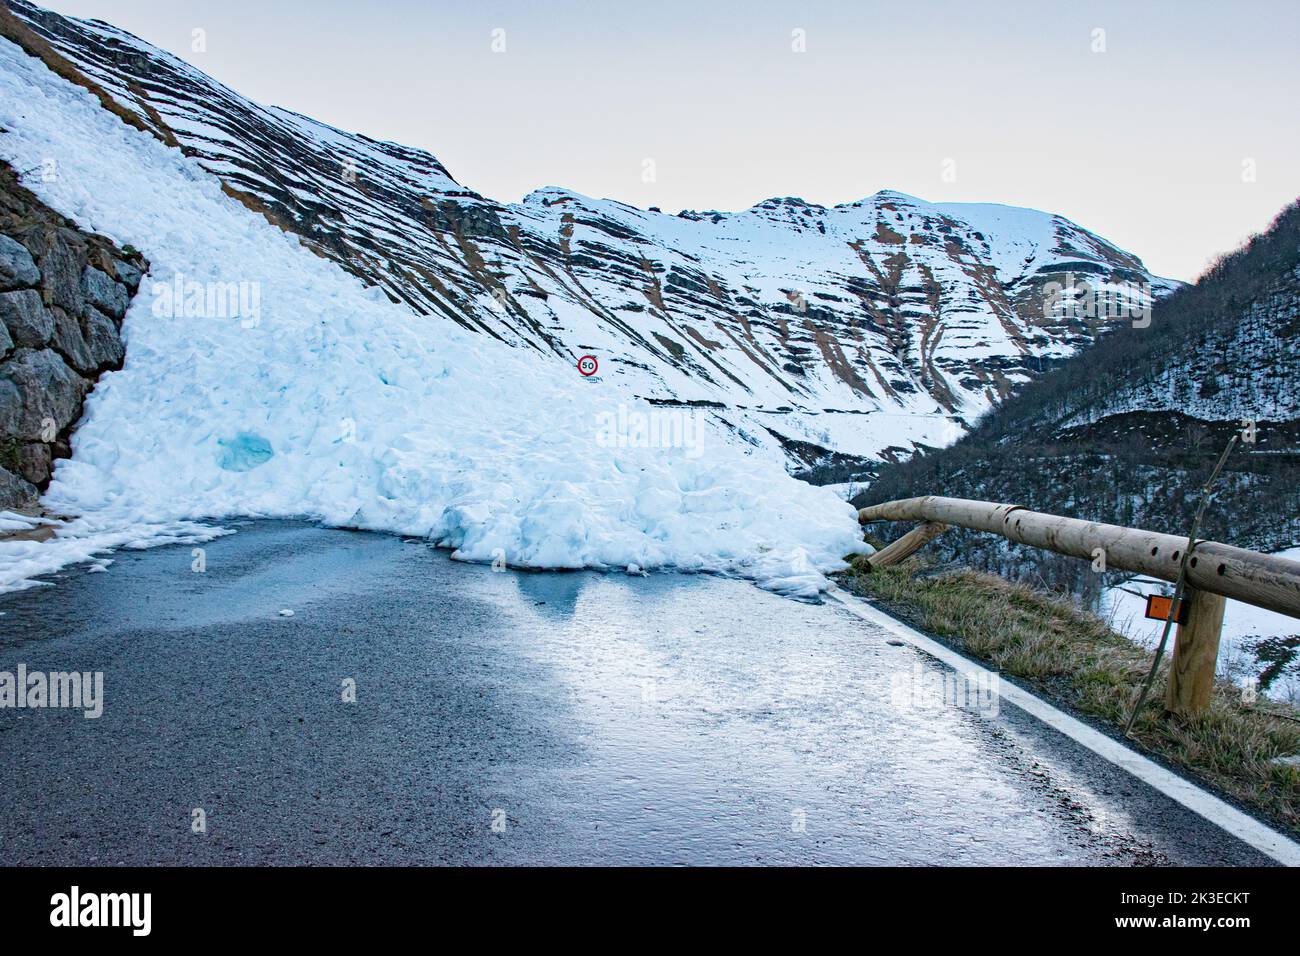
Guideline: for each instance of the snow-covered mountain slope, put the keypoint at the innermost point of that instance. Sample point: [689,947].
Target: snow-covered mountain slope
[861,330]
[320,397]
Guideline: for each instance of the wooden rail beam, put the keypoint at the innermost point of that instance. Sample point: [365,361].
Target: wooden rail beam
[1263,580]
[1214,571]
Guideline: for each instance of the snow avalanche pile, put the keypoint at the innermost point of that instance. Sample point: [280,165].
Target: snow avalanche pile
[263,380]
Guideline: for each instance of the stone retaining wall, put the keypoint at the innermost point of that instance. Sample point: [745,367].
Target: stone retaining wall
[63,294]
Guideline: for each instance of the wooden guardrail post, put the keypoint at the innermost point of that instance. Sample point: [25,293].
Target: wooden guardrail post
[907,545]
[1196,651]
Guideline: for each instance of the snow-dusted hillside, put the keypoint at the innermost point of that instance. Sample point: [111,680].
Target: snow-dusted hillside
[320,397]
[864,330]
[1247,368]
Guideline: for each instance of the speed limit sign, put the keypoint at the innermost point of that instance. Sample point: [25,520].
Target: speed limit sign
[587,365]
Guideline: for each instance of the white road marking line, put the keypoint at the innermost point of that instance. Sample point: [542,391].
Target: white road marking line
[1223,815]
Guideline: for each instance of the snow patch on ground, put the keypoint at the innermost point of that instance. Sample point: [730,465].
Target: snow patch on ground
[338,405]
[847,489]
[1242,625]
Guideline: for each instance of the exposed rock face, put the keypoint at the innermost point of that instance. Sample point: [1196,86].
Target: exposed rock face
[15,491]
[104,292]
[29,323]
[49,395]
[17,268]
[66,292]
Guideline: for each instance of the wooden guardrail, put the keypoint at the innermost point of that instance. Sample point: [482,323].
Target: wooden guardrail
[1214,571]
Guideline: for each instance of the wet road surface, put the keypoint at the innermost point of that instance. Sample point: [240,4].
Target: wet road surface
[505,718]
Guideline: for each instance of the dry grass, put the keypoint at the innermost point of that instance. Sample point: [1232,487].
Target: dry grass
[253,204]
[888,236]
[163,131]
[1075,659]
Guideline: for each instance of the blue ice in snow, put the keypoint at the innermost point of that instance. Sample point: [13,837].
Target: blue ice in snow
[244,452]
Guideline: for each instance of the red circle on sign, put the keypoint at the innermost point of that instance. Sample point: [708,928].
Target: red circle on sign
[587,365]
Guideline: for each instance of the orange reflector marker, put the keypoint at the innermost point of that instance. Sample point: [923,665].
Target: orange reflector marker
[1158,608]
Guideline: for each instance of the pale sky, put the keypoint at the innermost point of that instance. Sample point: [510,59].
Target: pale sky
[1174,134]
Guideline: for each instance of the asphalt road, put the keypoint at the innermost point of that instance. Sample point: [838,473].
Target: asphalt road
[506,718]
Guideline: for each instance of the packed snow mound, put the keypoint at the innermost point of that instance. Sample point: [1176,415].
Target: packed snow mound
[263,380]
